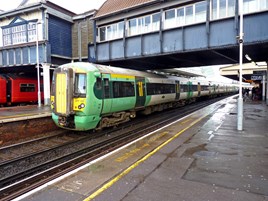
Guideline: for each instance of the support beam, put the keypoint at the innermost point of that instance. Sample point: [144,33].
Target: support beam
[267,84]
[46,83]
[240,99]
[263,87]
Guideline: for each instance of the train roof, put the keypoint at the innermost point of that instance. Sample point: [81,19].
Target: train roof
[87,67]
[91,67]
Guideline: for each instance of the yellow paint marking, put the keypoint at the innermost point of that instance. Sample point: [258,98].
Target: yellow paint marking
[122,76]
[134,151]
[185,121]
[131,153]
[126,171]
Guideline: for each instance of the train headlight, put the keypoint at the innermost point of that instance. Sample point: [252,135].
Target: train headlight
[81,106]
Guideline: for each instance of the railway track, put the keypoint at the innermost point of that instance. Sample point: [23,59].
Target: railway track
[54,162]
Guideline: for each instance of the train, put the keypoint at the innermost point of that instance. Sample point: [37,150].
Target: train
[86,96]
[18,90]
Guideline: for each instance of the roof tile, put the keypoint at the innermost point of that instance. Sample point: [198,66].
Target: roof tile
[112,6]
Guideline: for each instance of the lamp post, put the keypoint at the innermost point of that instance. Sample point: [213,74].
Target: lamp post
[37,64]
[240,98]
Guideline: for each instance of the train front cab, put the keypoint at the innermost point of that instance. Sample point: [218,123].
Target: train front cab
[72,101]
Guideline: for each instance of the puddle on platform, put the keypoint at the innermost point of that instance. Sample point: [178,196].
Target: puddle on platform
[192,150]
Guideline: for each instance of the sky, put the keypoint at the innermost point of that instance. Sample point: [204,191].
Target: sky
[76,6]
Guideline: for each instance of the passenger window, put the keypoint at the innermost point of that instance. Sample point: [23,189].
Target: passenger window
[123,89]
[98,83]
[106,88]
[27,87]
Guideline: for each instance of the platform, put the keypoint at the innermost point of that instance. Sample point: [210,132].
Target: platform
[201,157]
[24,122]
[11,114]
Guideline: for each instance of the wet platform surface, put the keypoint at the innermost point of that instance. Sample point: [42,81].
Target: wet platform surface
[201,157]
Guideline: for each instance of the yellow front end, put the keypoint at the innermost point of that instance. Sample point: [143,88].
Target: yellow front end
[61,93]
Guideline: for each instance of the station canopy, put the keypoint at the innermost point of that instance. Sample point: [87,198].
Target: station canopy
[251,72]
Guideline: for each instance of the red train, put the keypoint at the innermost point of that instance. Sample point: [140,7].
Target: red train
[15,90]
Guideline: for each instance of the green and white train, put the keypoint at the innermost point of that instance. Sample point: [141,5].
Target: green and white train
[90,96]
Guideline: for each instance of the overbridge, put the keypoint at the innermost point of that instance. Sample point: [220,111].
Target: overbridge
[206,36]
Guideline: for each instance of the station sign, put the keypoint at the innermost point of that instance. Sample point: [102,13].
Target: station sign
[256,77]
[260,72]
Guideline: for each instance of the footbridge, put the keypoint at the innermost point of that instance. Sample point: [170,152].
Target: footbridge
[168,34]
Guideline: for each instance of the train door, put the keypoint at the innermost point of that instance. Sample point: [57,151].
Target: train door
[178,89]
[106,94]
[3,92]
[140,91]
[63,91]
[8,89]
[199,89]
[190,90]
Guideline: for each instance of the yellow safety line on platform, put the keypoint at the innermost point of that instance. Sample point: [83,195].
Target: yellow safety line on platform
[126,171]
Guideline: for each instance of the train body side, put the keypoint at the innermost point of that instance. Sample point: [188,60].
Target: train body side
[3,92]
[85,96]
[23,90]
[15,89]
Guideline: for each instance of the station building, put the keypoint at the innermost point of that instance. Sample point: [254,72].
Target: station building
[60,35]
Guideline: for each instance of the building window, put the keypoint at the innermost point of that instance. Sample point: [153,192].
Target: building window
[31,32]
[222,9]
[170,19]
[156,22]
[250,6]
[102,33]
[263,4]
[226,8]
[144,24]
[230,8]
[132,27]
[19,34]
[189,18]
[180,16]
[200,11]
[112,31]
[214,8]
[7,36]
[120,30]
[190,14]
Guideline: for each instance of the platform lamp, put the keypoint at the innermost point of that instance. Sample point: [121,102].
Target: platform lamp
[37,62]
[240,98]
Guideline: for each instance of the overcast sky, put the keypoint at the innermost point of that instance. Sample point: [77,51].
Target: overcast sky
[76,6]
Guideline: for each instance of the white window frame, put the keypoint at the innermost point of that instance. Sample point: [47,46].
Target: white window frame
[110,34]
[19,34]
